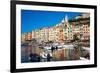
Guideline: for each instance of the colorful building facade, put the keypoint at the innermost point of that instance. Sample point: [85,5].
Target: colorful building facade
[63,31]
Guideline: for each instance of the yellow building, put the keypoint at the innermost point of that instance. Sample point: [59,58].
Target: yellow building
[35,35]
[23,36]
[40,35]
[51,34]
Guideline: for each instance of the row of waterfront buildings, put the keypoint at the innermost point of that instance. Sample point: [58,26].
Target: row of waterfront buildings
[63,31]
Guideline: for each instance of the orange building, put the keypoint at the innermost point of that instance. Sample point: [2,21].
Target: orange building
[61,36]
[28,36]
[86,32]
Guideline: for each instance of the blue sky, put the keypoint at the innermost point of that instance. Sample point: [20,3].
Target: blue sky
[33,19]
